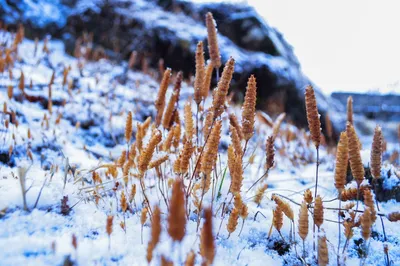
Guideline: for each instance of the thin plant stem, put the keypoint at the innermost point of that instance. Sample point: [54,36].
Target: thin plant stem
[315,193]
[338,248]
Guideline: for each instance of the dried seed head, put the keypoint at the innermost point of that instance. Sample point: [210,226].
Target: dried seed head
[213,48]
[323,254]
[10,91]
[166,262]
[269,147]
[394,216]
[314,123]
[157,162]
[236,171]
[207,80]
[143,215]
[350,110]
[189,124]
[376,153]
[342,158]
[287,210]
[155,233]
[244,211]
[328,126]
[356,165]
[207,244]
[277,125]
[21,84]
[348,229]
[369,202]
[177,212]
[235,123]
[200,73]
[128,127]
[210,154]
[249,108]
[277,219]
[233,220]
[190,259]
[185,156]
[351,193]
[160,101]
[132,59]
[147,153]
[303,221]
[260,194]
[124,204]
[236,141]
[308,197]
[109,226]
[132,193]
[173,101]
[74,241]
[220,93]
[318,212]
[366,222]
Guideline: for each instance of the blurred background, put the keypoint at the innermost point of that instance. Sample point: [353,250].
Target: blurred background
[341,45]
[342,48]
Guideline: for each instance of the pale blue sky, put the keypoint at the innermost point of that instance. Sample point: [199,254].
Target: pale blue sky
[342,45]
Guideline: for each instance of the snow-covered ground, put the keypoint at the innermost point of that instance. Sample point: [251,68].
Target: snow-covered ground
[88,131]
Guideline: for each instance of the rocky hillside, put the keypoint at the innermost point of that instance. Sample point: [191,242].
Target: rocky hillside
[170,29]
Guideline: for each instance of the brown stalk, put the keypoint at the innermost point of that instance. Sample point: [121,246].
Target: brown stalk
[260,194]
[155,233]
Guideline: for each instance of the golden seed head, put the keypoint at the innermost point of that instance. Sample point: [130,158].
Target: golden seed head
[213,48]
[323,254]
[222,88]
[160,101]
[356,165]
[318,212]
[177,212]
[350,110]
[200,73]
[303,221]
[207,244]
[109,226]
[342,158]
[314,123]
[376,153]
[308,197]
[249,108]
[128,127]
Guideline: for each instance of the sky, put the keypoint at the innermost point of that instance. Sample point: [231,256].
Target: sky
[341,45]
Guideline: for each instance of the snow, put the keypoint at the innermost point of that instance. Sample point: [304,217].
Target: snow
[26,237]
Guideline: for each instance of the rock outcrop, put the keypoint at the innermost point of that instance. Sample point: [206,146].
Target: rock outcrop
[170,30]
